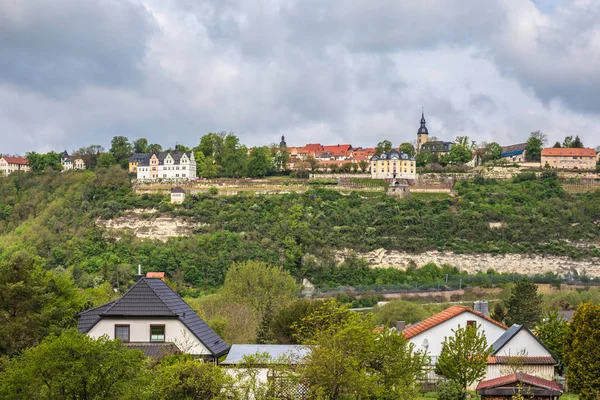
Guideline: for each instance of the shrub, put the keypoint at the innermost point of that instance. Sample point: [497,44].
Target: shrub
[450,390]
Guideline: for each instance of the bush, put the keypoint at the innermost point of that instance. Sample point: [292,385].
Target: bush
[450,390]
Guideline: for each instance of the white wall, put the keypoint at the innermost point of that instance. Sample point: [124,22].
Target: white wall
[139,331]
[498,370]
[523,341]
[435,336]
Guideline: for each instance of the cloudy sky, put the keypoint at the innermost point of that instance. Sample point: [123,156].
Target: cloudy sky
[78,72]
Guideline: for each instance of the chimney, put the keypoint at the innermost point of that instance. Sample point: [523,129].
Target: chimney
[139,274]
[400,325]
[482,307]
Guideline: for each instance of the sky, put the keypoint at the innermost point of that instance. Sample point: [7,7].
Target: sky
[78,72]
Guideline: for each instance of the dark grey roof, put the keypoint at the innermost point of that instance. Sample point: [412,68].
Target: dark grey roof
[64,154]
[512,332]
[154,350]
[140,157]
[437,146]
[153,297]
[88,318]
[393,154]
[139,300]
[177,190]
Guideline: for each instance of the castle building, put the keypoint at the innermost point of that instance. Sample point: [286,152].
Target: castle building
[393,165]
[177,166]
[423,143]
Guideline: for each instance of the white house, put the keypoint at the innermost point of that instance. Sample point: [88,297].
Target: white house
[152,317]
[68,162]
[519,350]
[12,164]
[176,166]
[177,195]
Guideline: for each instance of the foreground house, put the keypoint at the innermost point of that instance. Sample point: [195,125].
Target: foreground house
[150,316]
[519,350]
[9,165]
[531,387]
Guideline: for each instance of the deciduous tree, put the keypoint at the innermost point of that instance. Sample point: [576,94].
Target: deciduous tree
[260,162]
[464,356]
[553,331]
[383,147]
[121,149]
[140,145]
[407,148]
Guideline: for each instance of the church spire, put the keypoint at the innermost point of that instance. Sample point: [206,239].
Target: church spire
[423,128]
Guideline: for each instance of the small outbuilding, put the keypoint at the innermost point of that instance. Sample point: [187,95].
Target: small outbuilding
[531,387]
[177,195]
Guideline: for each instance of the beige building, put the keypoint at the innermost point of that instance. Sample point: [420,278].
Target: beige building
[9,165]
[568,158]
[393,165]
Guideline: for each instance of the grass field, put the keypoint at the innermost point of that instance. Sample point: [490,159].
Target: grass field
[430,196]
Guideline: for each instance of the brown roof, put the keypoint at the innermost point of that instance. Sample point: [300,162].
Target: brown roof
[177,190]
[525,360]
[568,152]
[444,316]
[16,160]
[520,377]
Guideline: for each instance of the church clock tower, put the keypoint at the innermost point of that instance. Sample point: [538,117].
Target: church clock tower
[422,133]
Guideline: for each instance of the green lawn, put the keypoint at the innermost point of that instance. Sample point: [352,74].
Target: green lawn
[430,196]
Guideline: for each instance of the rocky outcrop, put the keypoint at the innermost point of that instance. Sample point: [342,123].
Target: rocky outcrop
[155,228]
[527,264]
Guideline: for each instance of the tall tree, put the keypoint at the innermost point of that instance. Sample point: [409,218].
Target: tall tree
[234,157]
[33,302]
[557,145]
[39,162]
[524,306]
[577,143]
[140,145]
[492,151]
[582,353]
[460,154]
[553,331]
[260,286]
[537,140]
[154,148]
[466,142]
[568,142]
[212,144]
[73,366]
[106,160]
[383,147]
[314,164]
[260,162]
[464,356]
[121,149]
[407,148]
[89,155]
[424,157]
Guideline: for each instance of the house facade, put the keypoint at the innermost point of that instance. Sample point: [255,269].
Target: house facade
[515,153]
[9,165]
[393,165]
[68,162]
[569,158]
[175,166]
[177,195]
[151,315]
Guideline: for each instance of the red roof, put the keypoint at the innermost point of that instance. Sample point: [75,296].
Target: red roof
[525,360]
[160,275]
[338,148]
[520,377]
[444,316]
[16,160]
[567,152]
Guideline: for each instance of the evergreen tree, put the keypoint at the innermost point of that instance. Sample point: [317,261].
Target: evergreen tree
[524,306]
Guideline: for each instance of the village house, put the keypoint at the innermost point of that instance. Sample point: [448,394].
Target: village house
[151,317]
[137,159]
[175,166]
[68,162]
[569,158]
[177,195]
[9,165]
[514,153]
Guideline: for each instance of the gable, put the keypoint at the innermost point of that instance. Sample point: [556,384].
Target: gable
[519,339]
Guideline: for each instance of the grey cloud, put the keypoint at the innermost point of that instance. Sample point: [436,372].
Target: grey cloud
[58,46]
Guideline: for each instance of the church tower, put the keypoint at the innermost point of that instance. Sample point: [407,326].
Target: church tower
[282,144]
[422,133]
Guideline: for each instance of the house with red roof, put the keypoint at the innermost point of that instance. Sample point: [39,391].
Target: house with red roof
[9,165]
[569,158]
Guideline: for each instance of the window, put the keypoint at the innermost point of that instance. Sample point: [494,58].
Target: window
[122,332]
[471,323]
[157,333]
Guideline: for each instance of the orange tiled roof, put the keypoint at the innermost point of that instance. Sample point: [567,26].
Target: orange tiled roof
[444,316]
[338,147]
[568,152]
[160,275]
[16,160]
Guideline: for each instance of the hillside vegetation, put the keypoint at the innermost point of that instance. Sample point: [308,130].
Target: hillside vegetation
[52,215]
